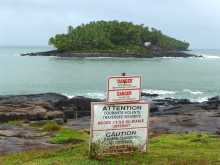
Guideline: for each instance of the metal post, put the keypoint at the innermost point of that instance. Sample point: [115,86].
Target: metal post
[76,115]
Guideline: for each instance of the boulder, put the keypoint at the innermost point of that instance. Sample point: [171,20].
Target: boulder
[153,107]
[171,101]
[30,107]
[37,113]
[212,103]
[76,107]
[149,94]
[214,99]
[54,114]
[34,98]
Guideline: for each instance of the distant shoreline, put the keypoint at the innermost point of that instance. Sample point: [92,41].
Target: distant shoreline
[111,54]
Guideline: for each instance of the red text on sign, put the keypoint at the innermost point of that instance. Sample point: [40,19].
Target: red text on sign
[124,93]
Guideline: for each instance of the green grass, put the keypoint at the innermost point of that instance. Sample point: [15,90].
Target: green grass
[68,136]
[51,126]
[16,122]
[167,149]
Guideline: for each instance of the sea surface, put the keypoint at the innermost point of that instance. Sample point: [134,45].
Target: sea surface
[193,78]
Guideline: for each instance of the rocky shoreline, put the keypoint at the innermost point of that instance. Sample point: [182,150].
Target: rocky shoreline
[167,115]
[53,106]
[111,54]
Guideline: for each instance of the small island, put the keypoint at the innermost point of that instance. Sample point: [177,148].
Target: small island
[114,39]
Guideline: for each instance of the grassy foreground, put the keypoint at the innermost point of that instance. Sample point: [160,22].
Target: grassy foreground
[167,149]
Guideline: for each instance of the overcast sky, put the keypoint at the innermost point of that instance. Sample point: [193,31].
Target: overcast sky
[32,22]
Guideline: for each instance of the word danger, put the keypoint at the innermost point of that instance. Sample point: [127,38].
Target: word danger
[121,96]
[124,93]
[124,82]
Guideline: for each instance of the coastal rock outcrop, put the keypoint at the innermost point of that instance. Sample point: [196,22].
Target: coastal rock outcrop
[167,115]
[111,54]
[212,103]
[52,106]
[43,106]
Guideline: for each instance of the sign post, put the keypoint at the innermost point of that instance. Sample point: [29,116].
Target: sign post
[120,125]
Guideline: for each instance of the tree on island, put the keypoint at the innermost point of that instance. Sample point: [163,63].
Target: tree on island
[115,36]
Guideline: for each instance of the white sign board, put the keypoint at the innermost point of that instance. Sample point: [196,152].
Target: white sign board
[119,128]
[124,82]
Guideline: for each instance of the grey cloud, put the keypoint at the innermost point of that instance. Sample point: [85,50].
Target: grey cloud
[32,22]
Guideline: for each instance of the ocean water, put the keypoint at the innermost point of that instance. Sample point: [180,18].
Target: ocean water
[193,78]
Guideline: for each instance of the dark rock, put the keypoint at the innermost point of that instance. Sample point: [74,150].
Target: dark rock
[46,53]
[209,106]
[154,53]
[34,98]
[171,101]
[212,103]
[149,94]
[76,107]
[153,107]
[30,107]
[37,113]
[43,106]
[169,108]
[83,103]
[182,101]
[214,99]
[54,114]
[14,139]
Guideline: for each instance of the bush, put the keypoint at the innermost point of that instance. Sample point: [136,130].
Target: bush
[51,126]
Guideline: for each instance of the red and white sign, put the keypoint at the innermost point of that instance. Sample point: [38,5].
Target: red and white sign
[124,82]
[122,89]
[122,125]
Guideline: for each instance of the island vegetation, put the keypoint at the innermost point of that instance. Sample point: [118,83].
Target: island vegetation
[114,39]
[115,36]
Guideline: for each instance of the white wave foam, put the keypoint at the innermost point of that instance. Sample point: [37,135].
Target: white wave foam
[193,92]
[158,91]
[167,57]
[210,56]
[200,99]
[95,95]
[69,96]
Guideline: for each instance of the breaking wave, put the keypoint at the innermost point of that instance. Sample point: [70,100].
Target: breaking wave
[94,95]
[159,92]
[197,92]
[210,56]
[192,95]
